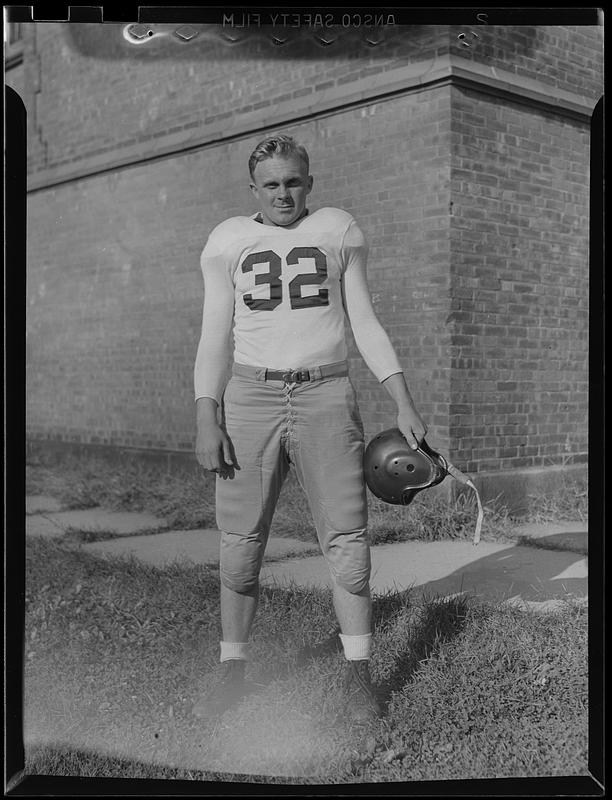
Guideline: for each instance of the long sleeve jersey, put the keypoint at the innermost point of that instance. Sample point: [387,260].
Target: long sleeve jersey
[285,293]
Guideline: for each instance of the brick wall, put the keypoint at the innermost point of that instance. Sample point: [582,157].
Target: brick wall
[569,58]
[131,95]
[475,207]
[127,94]
[24,78]
[519,272]
[388,164]
[114,287]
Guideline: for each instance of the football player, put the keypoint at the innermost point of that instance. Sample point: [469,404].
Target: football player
[280,284]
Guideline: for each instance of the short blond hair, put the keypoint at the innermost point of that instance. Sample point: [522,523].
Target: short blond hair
[279,145]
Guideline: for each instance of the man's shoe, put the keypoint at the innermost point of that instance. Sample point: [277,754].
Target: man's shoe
[226,691]
[361,703]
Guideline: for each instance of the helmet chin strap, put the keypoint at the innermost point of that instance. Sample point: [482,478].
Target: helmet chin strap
[467,481]
[456,473]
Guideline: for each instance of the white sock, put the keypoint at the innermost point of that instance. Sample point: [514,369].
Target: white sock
[234,650]
[357,648]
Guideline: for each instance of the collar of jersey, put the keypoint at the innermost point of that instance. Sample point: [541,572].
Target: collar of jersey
[257,217]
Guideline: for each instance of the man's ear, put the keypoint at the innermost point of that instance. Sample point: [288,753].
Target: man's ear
[254,189]
[310,183]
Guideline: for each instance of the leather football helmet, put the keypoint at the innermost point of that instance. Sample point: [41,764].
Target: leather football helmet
[395,472]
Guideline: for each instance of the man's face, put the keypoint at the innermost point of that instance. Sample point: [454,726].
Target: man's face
[281,185]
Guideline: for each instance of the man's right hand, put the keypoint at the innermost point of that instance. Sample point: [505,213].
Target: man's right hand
[214,449]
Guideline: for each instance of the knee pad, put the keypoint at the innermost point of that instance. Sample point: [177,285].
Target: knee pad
[354,583]
[238,582]
[240,561]
[348,557]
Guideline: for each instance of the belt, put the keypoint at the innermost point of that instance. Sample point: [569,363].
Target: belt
[302,375]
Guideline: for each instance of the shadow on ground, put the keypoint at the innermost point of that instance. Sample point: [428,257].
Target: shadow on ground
[541,570]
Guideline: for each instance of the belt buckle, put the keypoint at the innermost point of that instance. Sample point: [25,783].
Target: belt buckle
[296,375]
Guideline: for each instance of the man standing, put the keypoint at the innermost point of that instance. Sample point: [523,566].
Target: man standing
[282,282]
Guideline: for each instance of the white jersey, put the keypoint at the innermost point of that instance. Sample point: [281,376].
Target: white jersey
[288,301]
[287,284]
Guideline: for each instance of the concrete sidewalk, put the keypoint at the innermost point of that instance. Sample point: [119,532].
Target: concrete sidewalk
[140,535]
[538,577]
[524,575]
[91,520]
[186,547]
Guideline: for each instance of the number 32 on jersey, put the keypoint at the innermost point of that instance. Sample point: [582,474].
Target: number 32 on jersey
[273,278]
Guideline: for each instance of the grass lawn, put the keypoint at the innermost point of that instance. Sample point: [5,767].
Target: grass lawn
[117,652]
